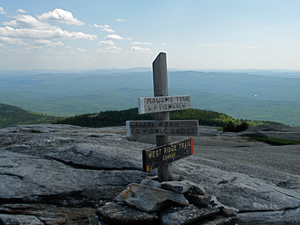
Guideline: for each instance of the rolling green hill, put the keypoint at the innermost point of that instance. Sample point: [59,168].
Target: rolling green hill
[12,115]
[119,118]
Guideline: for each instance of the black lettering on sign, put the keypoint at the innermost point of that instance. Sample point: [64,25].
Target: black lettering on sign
[163,127]
[163,104]
[158,156]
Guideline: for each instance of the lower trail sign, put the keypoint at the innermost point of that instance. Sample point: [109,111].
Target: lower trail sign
[161,155]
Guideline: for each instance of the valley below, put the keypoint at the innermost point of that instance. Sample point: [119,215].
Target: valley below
[252,95]
[61,174]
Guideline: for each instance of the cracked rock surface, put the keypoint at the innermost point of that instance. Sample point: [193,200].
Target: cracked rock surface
[60,174]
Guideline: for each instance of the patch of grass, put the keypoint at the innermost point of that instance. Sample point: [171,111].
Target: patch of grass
[274,141]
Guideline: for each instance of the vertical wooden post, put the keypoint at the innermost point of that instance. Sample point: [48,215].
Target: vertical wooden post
[160,82]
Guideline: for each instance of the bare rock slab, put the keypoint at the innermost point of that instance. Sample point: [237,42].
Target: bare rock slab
[186,215]
[34,179]
[97,156]
[220,221]
[114,213]
[239,190]
[149,199]
[19,219]
[46,213]
[282,217]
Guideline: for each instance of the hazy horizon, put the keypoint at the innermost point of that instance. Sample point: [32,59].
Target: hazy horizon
[196,35]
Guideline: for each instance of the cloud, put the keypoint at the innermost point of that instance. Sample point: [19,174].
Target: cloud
[105,28]
[13,41]
[21,11]
[114,36]
[60,16]
[1,45]
[48,43]
[139,49]
[53,32]
[140,43]
[2,10]
[117,37]
[249,47]
[43,57]
[28,26]
[112,49]
[27,21]
[214,44]
[120,20]
[234,45]
[100,26]
[109,30]
[109,42]
[81,49]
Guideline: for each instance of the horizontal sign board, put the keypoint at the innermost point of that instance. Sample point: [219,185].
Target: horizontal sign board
[159,156]
[163,127]
[163,104]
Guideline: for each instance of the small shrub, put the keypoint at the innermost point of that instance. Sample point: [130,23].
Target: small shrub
[231,127]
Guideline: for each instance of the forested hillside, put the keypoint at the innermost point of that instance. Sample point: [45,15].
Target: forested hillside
[119,118]
[12,115]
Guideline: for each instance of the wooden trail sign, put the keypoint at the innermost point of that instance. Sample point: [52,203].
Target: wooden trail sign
[163,127]
[162,155]
[163,104]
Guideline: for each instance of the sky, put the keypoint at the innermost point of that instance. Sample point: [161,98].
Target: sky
[195,34]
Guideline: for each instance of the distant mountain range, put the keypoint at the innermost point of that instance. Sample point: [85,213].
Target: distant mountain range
[248,94]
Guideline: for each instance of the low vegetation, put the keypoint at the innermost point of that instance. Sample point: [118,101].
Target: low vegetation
[274,141]
[231,127]
[12,115]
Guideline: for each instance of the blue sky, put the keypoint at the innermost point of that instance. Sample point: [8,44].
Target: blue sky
[195,34]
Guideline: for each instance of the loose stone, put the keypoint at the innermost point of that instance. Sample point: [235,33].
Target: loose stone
[151,183]
[199,200]
[177,186]
[148,198]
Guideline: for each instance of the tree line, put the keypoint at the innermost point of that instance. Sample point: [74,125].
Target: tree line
[119,118]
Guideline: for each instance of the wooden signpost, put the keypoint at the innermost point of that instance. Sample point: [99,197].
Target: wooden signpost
[165,153]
